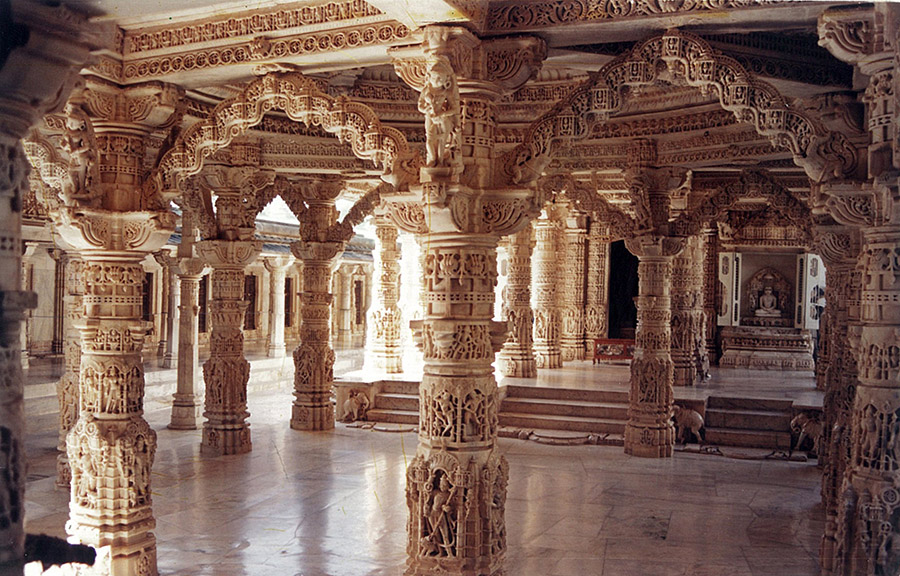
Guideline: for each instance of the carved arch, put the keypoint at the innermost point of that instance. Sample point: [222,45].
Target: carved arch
[301,100]
[684,58]
[750,185]
[586,198]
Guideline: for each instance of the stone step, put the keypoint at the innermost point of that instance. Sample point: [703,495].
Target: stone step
[392,416]
[748,438]
[609,396]
[391,401]
[399,387]
[571,423]
[762,420]
[733,403]
[548,406]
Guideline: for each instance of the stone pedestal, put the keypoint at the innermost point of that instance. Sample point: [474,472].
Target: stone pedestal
[384,345]
[186,400]
[226,430]
[649,431]
[314,357]
[766,348]
[547,318]
[517,355]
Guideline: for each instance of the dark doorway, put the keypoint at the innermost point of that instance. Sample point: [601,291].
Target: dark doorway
[623,287]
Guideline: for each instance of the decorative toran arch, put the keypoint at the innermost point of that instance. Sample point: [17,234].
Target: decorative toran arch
[752,184]
[300,99]
[684,58]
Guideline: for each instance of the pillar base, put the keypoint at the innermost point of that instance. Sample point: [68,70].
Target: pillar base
[312,418]
[548,359]
[224,441]
[388,362]
[572,351]
[185,412]
[518,367]
[276,350]
[169,360]
[649,442]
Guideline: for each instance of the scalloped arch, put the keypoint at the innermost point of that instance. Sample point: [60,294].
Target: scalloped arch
[301,100]
[683,57]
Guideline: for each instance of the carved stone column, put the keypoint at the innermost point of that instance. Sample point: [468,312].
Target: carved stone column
[711,288]
[385,346]
[688,323]
[839,249]
[343,283]
[67,387]
[314,357]
[517,354]
[649,431]
[547,318]
[186,400]
[596,311]
[169,264]
[226,372]
[277,267]
[572,302]
[13,304]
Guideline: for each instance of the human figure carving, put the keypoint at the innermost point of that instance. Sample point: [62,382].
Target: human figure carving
[439,102]
[78,140]
[768,305]
[439,521]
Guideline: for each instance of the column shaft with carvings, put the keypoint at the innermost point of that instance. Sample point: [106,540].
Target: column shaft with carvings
[688,322]
[13,304]
[67,387]
[839,250]
[545,280]
[44,48]
[385,345]
[572,301]
[277,267]
[649,430]
[226,372]
[186,400]
[517,355]
[596,310]
[711,288]
[314,357]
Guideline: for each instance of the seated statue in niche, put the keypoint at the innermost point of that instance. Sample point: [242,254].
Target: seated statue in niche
[768,305]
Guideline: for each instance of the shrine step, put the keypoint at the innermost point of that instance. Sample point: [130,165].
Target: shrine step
[568,394]
[393,401]
[570,423]
[748,419]
[555,407]
[393,416]
[749,438]
[735,403]
[399,387]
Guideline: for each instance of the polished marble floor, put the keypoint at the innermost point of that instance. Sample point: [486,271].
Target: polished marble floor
[333,504]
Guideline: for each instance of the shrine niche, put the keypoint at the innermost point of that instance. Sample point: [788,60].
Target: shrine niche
[768,321]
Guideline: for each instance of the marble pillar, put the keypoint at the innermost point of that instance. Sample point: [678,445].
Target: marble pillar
[545,294]
[13,304]
[226,372]
[711,294]
[314,357]
[67,387]
[839,249]
[596,310]
[277,267]
[384,345]
[456,484]
[171,320]
[572,299]
[517,355]
[691,363]
[186,400]
[649,431]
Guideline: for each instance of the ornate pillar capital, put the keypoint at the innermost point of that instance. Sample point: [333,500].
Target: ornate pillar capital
[88,229]
[228,254]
